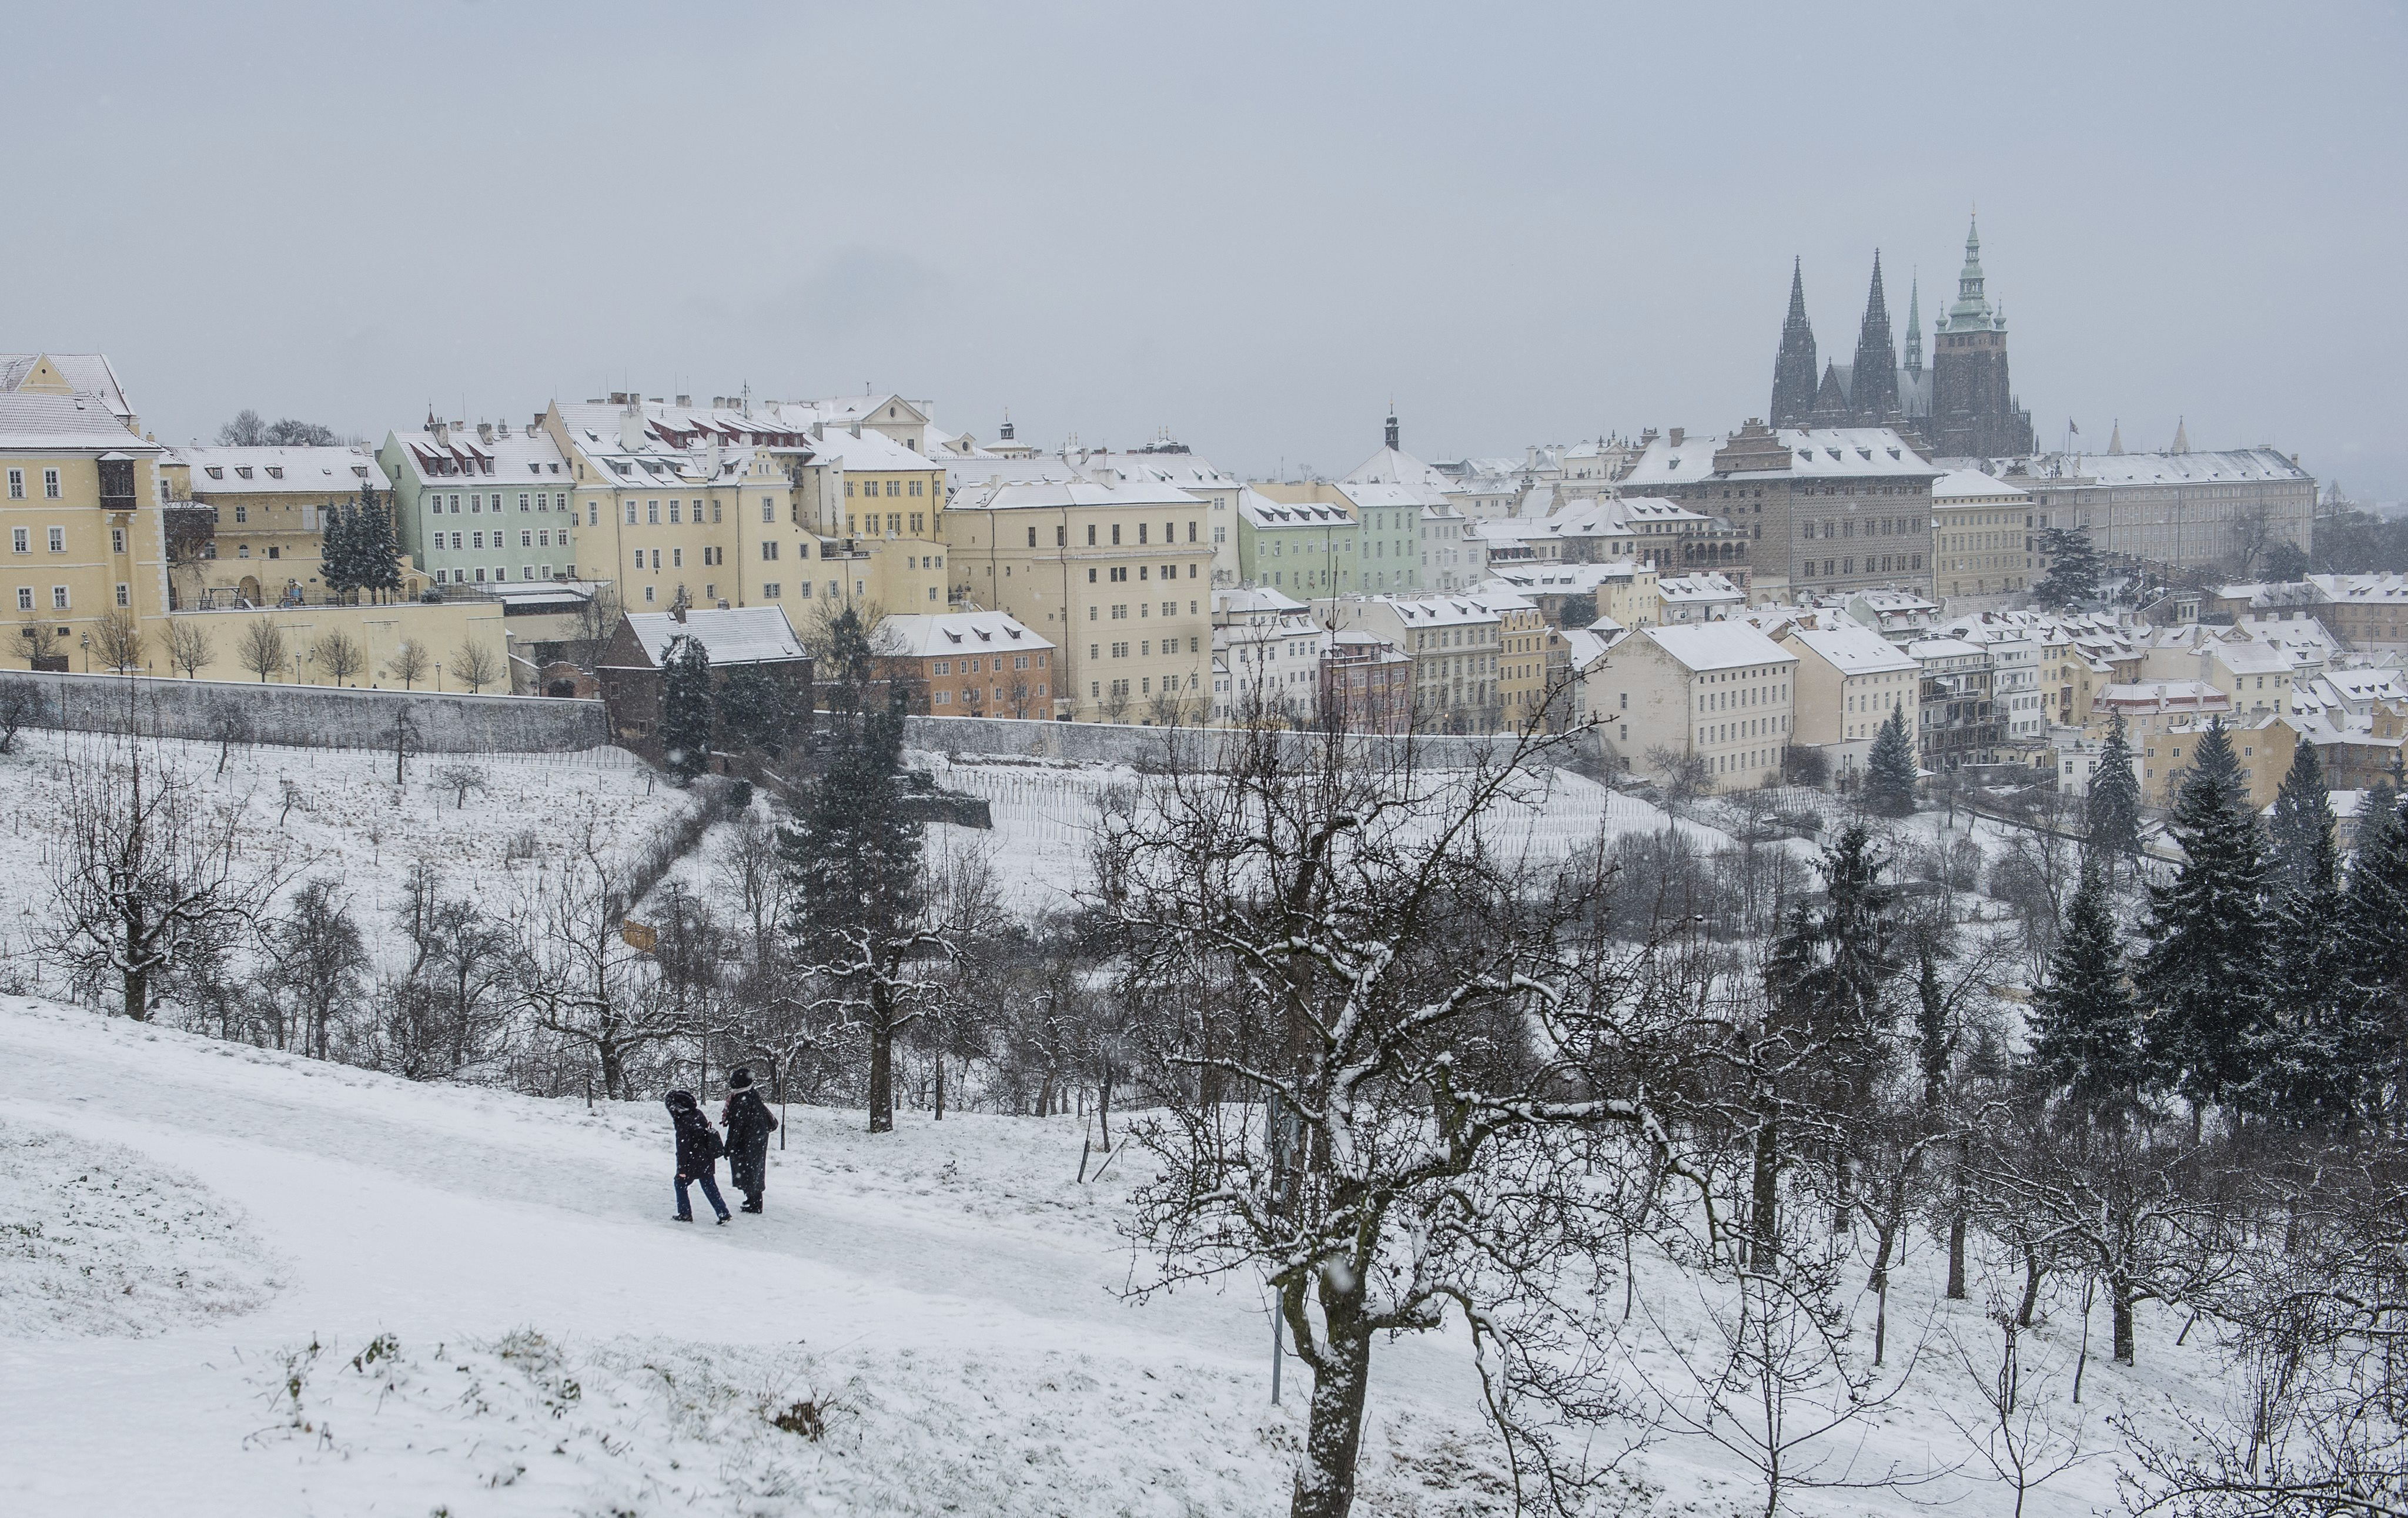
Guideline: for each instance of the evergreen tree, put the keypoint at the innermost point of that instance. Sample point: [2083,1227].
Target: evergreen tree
[2206,973]
[337,560]
[854,895]
[1890,770]
[2112,809]
[376,544]
[2072,567]
[756,712]
[2086,1023]
[2369,1036]
[2294,1058]
[685,707]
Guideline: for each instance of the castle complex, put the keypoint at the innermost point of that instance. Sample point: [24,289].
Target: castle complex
[1963,405]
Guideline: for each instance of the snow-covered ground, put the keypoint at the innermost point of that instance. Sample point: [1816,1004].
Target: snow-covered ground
[309,1289]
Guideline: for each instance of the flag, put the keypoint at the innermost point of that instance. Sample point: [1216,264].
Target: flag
[2072,428]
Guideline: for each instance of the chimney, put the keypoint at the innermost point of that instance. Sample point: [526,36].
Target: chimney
[685,400]
[1675,435]
[485,433]
[618,397]
[631,423]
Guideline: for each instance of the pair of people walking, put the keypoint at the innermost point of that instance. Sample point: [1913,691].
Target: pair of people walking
[748,1123]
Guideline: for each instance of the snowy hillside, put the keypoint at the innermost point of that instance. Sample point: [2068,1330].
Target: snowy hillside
[306,1288]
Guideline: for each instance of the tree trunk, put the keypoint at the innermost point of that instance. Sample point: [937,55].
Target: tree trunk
[138,994]
[1324,1482]
[940,1085]
[1956,1229]
[882,1062]
[1764,1222]
[2031,1288]
[2119,1303]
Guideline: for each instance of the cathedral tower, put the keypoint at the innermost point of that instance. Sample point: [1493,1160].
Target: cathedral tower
[1872,384]
[1973,410]
[1794,372]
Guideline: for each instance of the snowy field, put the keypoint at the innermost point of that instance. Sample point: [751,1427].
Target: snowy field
[242,1282]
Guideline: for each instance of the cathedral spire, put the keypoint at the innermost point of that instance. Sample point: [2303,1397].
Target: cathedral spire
[1914,326]
[1872,384]
[1971,312]
[2182,437]
[2115,439]
[1793,370]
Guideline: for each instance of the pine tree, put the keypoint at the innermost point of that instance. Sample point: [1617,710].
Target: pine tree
[851,863]
[2207,970]
[337,565]
[376,543]
[2294,1056]
[1890,770]
[685,707]
[2112,809]
[2369,1037]
[755,711]
[2085,1023]
[2072,567]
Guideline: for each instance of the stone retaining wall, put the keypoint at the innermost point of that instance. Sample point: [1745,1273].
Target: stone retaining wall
[1149,747]
[309,716]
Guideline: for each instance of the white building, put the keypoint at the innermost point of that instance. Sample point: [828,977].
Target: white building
[1850,678]
[1719,693]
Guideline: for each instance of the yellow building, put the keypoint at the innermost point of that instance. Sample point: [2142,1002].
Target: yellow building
[79,527]
[1980,536]
[888,503]
[1532,656]
[1118,577]
[268,509]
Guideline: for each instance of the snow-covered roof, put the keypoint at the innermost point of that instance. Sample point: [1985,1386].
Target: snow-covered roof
[872,450]
[1186,471]
[1267,514]
[86,374]
[1958,486]
[64,421]
[742,635]
[941,633]
[1253,601]
[1395,467]
[1830,452]
[280,471]
[2362,590]
[2236,465]
[1702,646]
[1926,649]
[509,456]
[1703,588]
[1853,650]
[1057,494]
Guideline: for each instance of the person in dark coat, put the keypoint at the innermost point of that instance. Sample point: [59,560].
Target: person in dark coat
[697,1154]
[749,1124]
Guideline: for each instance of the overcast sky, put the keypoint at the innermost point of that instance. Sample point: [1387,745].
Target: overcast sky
[1250,226]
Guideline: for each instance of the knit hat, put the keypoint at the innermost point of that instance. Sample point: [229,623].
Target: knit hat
[740,1080]
[679,1100]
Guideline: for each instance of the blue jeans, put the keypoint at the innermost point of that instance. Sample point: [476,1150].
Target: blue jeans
[710,1189]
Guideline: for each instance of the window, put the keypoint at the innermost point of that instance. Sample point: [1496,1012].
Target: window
[652,513]
[17,490]
[24,597]
[125,595]
[677,558]
[768,550]
[895,487]
[522,500]
[58,598]
[915,487]
[242,513]
[648,592]
[20,538]
[675,507]
[772,590]
[117,545]
[481,540]
[58,540]
[594,514]
[631,513]
[50,484]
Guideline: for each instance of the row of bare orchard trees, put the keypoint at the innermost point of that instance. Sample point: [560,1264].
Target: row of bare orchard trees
[1654,1125]
[116,643]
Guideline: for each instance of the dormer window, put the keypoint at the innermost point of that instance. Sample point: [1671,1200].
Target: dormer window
[242,471]
[275,472]
[214,471]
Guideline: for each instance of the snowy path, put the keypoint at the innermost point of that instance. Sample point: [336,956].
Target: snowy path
[436,1213]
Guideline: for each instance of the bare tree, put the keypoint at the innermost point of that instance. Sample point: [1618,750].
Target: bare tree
[590,628]
[339,655]
[2018,1435]
[261,649]
[477,664]
[409,663]
[1687,775]
[190,648]
[1114,702]
[19,704]
[116,641]
[144,879]
[1376,1043]
[317,961]
[746,867]
[37,641]
[574,974]
[460,780]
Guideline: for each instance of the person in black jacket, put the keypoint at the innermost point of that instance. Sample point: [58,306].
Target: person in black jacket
[748,1123]
[697,1154]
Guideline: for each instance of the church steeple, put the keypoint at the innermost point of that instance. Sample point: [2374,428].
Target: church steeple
[1971,312]
[1874,382]
[1793,370]
[1914,326]
[2115,439]
[2182,436]
[1830,408]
